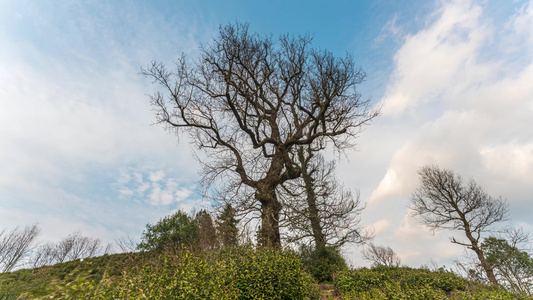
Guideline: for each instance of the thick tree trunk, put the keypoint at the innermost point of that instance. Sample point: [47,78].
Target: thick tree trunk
[269,235]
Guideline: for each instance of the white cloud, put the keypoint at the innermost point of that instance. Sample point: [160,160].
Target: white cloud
[170,193]
[391,29]
[510,160]
[521,28]
[157,176]
[480,124]
[456,100]
[380,226]
[429,60]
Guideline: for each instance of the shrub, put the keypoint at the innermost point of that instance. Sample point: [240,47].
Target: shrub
[323,262]
[236,273]
[407,283]
[171,232]
[271,274]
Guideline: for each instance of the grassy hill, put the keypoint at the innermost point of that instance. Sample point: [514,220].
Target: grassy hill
[237,273]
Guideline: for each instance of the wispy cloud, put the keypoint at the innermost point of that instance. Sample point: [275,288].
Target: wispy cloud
[74,112]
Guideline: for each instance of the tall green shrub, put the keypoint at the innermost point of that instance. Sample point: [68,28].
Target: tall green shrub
[323,262]
[171,232]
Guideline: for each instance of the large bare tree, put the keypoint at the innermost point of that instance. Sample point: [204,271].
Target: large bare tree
[444,200]
[249,100]
[318,208]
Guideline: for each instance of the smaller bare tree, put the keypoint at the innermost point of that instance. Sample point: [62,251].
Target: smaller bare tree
[127,244]
[318,208]
[43,255]
[381,256]
[74,246]
[445,201]
[15,245]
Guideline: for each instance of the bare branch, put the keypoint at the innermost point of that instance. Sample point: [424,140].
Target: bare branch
[250,101]
[381,256]
[444,201]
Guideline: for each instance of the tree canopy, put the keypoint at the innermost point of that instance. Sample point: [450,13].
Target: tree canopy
[249,101]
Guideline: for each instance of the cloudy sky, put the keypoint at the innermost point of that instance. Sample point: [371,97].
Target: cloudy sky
[78,150]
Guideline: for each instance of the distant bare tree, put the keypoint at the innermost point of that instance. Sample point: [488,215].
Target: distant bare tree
[74,246]
[16,245]
[445,201]
[381,256]
[64,247]
[127,244]
[318,208]
[249,101]
[43,255]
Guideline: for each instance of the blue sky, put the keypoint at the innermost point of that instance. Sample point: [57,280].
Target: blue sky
[78,152]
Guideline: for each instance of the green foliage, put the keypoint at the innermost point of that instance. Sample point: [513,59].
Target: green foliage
[514,268]
[407,283]
[205,232]
[171,232]
[38,282]
[230,273]
[270,274]
[323,262]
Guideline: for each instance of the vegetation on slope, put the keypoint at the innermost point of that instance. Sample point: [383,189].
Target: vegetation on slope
[230,273]
[407,283]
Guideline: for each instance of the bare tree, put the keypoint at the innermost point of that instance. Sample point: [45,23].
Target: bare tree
[248,102]
[43,255]
[64,247]
[74,246]
[15,245]
[381,256]
[317,206]
[445,201]
[127,244]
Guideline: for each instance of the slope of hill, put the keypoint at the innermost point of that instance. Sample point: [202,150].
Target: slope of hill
[236,273]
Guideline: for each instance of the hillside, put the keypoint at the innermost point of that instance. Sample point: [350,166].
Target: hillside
[238,273]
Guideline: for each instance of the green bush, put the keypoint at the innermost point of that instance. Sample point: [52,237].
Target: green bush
[171,232]
[323,262]
[271,274]
[407,283]
[236,273]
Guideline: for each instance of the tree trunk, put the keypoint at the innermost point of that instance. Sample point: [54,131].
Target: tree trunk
[480,255]
[269,235]
[487,267]
[314,218]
